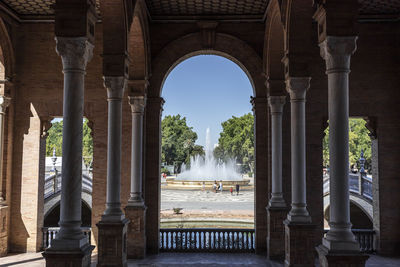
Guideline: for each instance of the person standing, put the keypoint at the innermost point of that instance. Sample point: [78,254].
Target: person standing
[237,189]
[231,190]
[220,186]
[204,186]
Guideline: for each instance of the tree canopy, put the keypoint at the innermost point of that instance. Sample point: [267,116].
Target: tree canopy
[358,140]
[178,141]
[54,140]
[236,141]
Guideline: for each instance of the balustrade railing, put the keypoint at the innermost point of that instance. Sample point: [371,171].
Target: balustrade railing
[365,238]
[207,240]
[49,233]
[52,184]
[358,184]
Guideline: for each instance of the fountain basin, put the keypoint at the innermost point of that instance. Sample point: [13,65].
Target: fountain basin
[198,184]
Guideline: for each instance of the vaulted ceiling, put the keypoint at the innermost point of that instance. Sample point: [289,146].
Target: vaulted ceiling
[195,9]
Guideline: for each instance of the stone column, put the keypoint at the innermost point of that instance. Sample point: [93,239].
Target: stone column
[277,209]
[70,245]
[4,102]
[299,232]
[113,224]
[276,104]
[135,209]
[336,51]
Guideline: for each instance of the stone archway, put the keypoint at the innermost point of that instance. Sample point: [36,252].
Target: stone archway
[239,52]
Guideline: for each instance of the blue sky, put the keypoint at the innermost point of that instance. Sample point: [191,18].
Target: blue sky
[207,90]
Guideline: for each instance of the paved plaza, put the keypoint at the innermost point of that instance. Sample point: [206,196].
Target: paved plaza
[206,200]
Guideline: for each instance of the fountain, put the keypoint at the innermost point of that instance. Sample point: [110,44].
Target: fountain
[205,170]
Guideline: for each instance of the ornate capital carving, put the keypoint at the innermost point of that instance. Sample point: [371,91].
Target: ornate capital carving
[336,51]
[297,87]
[75,52]
[115,86]
[4,103]
[137,103]
[276,104]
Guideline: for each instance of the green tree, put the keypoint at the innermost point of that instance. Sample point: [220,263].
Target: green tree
[54,140]
[236,141]
[358,140]
[178,141]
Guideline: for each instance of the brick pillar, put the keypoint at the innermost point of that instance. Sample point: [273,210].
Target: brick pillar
[28,183]
[261,117]
[152,191]
[136,234]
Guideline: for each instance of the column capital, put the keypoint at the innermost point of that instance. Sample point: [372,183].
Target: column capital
[4,103]
[276,104]
[137,103]
[297,87]
[75,52]
[115,86]
[336,51]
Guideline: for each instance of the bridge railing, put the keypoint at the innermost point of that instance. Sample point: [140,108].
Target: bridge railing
[52,184]
[365,238]
[207,240]
[49,233]
[359,184]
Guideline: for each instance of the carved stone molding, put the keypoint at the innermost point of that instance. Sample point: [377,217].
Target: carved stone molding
[336,51]
[153,101]
[259,103]
[138,87]
[4,103]
[276,104]
[137,103]
[45,125]
[115,86]
[297,87]
[371,125]
[208,33]
[75,52]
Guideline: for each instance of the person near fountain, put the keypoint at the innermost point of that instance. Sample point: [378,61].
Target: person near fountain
[237,189]
[203,187]
[215,186]
[220,186]
[231,191]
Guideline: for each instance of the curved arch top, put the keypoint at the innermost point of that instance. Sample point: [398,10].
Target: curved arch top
[7,51]
[190,45]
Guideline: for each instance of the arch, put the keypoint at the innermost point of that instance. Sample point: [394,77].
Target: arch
[360,202]
[274,43]
[52,202]
[138,45]
[225,45]
[52,216]
[6,52]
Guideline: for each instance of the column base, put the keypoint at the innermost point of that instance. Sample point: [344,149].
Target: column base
[276,232]
[299,244]
[136,234]
[3,230]
[112,243]
[340,259]
[71,258]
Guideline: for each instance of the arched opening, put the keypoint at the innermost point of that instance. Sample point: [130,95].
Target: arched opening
[53,216]
[207,178]
[361,169]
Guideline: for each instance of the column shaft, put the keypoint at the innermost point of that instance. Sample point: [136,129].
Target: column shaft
[276,105]
[115,90]
[75,53]
[337,52]
[297,88]
[137,104]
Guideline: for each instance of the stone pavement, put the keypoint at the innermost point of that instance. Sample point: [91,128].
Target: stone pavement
[186,259]
[206,200]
